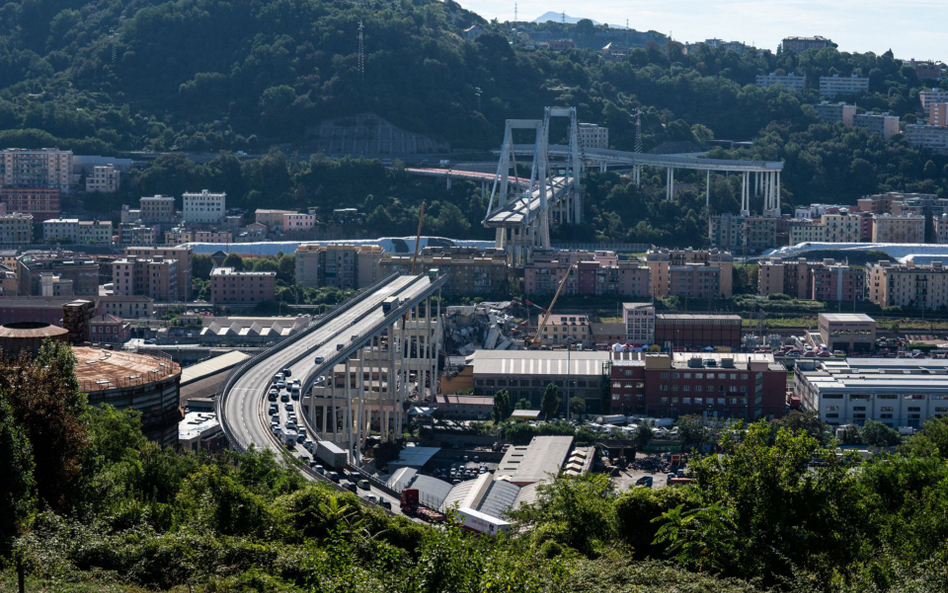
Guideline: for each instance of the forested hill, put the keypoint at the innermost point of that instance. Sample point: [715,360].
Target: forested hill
[100,75]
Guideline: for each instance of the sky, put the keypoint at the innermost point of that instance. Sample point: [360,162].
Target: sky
[910,28]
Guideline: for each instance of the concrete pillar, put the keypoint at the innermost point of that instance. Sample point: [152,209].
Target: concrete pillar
[707,191]
[745,201]
[348,415]
[360,418]
[391,379]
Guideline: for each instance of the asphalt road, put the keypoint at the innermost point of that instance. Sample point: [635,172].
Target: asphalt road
[246,407]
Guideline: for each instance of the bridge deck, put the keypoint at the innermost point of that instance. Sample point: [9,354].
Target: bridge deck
[621,157]
[523,209]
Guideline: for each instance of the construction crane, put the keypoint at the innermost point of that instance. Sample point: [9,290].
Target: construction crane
[421,218]
[546,316]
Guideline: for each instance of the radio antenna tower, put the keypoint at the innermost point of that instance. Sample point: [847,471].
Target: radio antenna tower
[516,16]
[361,53]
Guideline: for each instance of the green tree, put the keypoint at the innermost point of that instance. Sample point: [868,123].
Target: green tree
[523,404]
[643,435]
[234,260]
[577,407]
[502,408]
[574,511]
[550,404]
[702,538]
[878,434]
[16,490]
[201,266]
[47,405]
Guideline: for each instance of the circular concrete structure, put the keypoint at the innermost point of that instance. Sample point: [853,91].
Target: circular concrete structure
[28,336]
[148,383]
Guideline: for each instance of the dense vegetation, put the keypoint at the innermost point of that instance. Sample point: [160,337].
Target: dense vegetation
[88,503]
[211,75]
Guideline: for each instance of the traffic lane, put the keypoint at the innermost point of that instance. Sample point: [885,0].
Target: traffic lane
[261,372]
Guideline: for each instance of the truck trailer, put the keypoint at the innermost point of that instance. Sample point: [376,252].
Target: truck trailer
[331,455]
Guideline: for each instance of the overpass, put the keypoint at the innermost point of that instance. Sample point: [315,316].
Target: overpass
[758,177]
[357,334]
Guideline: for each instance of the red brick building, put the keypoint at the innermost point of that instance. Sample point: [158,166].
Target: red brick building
[748,386]
[41,202]
[696,332]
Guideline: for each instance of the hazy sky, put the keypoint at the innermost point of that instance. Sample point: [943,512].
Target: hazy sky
[911,28]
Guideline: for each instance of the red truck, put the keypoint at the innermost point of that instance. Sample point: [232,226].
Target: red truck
[413,508]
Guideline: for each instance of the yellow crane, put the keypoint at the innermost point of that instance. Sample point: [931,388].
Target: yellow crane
[421,218]
[546,316]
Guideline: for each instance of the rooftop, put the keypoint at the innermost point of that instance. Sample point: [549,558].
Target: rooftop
[99,369]
[533,463]
[233,272]
[538,362]
[212,366]
[847,318]
[195,424]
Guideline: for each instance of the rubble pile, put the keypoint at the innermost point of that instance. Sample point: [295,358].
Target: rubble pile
[490,326]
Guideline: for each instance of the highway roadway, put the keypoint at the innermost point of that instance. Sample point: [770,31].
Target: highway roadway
[244,408]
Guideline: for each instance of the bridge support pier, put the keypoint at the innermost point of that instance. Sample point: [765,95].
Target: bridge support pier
[745,194]
[669,183]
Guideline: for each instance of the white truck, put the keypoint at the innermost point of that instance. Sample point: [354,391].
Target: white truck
[289,438]
[331,455]
[481,522]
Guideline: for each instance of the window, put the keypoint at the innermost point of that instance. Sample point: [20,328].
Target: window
[699,375]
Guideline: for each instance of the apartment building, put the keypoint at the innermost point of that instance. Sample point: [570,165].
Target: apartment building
[16,229]
[639,322]
[593,136]
[934,138]
[182,257]
[746,386]
[565,329]
[838,283]
[791,81]
[204,207]
[82,270]
[470,272]
[836,112]
[42,202]
[816,210]
[94,232]
[128,306]
[907,285]
[780,276]
[897,391]
[833,86]
[594,273]
[941,229]
[103,179]
[42,168]
[298,223]
[228,286]
[938,114]
[342,266]
[840,228]
[679,272]
[155,278]
[684,331]
[742,234]
[109,329]
[806,231]
[54,285]
[935,95]
[73,230]
[797,44]
[927,70]
[903,203]
[131,233]
[157,210]
[903,228]
[883,124]
[272,219]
